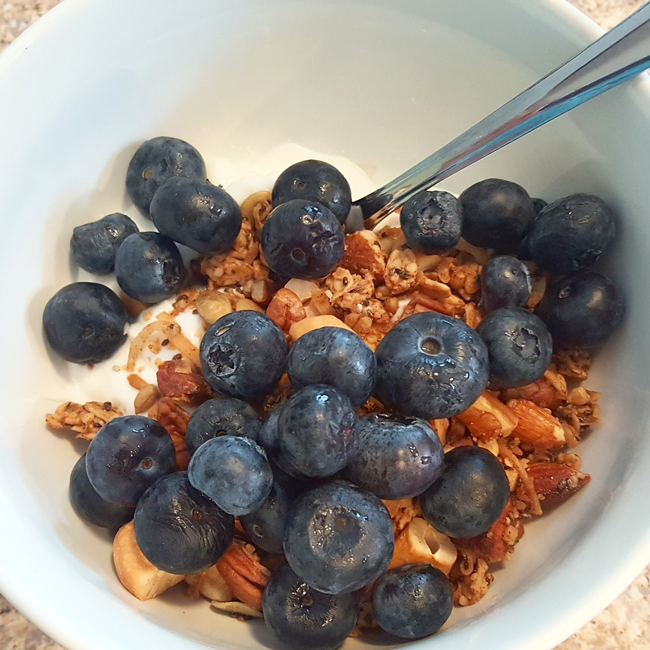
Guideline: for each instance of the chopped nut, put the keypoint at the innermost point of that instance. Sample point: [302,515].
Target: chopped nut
[262,291]
[302,288]
[286,309]
[441,427]
[256,208]
[86,419]
[402,512]
[244,574]
[537,425]
[209,584]
[175,420]
[472,315]
[401,271]
[556,482]
[135,572]
[321,301]
[420,542]
[433,288]
[314,323]
[427,262]
[244,304]
[488,418]
[178,381]
[364,254]
[539,281]
[391,239]
[212,305]
[548,392]
[135,381]
[145,398]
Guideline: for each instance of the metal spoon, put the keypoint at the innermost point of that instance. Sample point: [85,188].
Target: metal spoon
[618,55]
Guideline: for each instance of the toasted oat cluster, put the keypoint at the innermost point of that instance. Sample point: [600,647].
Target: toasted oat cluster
[532,430]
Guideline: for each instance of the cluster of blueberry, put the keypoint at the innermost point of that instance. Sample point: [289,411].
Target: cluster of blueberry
[308,481]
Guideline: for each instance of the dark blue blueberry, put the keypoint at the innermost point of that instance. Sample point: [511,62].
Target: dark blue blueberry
[538,205]
[234,472]
[582,310]
[497,214]
[469,496]
[339,538]
[84,322]
[154,162]
[505,282]
[265,525]
[178,529]
[224,416]
[302,239]
[432,221]
[313,180]
[397,458]
[95,244]
[304,618]
[89,506]
[571,233]
[333,356]
[431,366]
[412,601]
[127,456]
[317,431]
[196,213]
[243,355]
[149,267]
[519,346]
[269,439]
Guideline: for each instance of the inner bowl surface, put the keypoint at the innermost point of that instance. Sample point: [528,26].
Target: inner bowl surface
[383,83]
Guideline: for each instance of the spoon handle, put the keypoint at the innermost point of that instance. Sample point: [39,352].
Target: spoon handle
[618,55]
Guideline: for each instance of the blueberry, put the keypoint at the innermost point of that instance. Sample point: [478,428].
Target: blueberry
[304,618]
[232,471]
[149,267]
[469,496]
[302,239]
[432,221]
[339,538]
[95,244]
[317,431]
[431,366]
[196,213]
[178,529]
[412,601]
[225,416]
[333,356]
[157,160]
[582,310]
[313,180]
[497,214]
[265,526]
[397,458]
[269,440]
[91,507]
[127,456]
[84,322]
[519,346]
[505,282]
[571,233]
[243,355]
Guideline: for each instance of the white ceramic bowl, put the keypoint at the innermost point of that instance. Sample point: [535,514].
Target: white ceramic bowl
[384,83]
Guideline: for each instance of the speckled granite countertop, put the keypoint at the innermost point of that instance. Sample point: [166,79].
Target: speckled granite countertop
[624,625]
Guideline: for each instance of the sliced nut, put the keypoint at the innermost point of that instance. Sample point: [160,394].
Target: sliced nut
[135,572]
[135,381]
[286,309]
[262,291]
[321,300]
[537,425]
[235,607]
[364,254]
[427,262]
[314,323]
[145,398]
[421,542]
[210,584]
[302,288]
[555,482]
[212,305]
[488,418]
[402,512]
[244,304]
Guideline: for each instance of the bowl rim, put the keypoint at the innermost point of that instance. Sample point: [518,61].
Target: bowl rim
[53,617]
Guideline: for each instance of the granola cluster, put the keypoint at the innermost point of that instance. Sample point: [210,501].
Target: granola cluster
[379,282]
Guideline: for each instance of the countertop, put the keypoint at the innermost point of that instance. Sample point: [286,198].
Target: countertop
[624,625]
